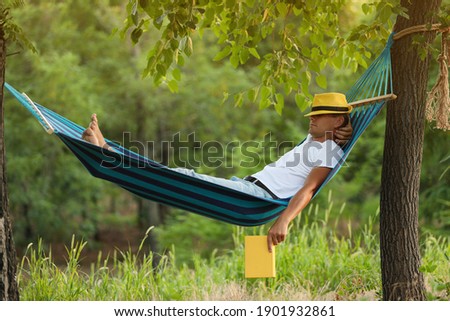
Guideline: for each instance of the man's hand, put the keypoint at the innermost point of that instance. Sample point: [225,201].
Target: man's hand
[277,233]
[343,134]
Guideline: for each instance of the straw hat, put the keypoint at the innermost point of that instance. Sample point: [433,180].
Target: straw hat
[329,103]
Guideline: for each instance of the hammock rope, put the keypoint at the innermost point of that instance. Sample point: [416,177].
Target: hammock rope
[151,180]
[437,107]
[438,100]
[420,28]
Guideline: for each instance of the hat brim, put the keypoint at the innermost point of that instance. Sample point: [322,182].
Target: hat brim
[324,112]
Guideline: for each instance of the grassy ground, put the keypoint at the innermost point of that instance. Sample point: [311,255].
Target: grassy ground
[313,264]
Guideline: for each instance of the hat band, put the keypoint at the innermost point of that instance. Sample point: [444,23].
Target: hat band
[329,108]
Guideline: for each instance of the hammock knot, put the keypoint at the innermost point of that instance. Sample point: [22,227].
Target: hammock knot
[438,100]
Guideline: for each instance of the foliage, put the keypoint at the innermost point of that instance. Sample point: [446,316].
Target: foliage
[314,264]
[51,195]
[434,184]
[185,231]
[291,42]
[12,31]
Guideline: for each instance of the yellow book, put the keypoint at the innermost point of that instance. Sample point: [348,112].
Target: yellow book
[259,262]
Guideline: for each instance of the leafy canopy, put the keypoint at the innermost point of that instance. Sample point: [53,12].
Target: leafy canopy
[10,30]
[292,42]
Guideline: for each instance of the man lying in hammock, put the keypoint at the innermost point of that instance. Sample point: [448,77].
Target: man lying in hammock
[297,174]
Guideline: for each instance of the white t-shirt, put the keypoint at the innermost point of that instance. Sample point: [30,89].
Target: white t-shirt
[288,174]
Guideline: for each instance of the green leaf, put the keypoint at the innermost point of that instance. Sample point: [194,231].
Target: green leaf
[310,4]
[238,99]
[161,69]
[321,80]
[180,61]
[265,92]
[189,47]
[314,66]
[306,51]
[317,38]
[362,62]
[337,62]
[385,13]
[298,8]
[282,9]
[254,53]
[143,3]
[305,78]
[252,94]
[173,85]
[292,83]
[265,102]
[135,18]
[366,8]
[176,74]
[279,103]
[234,59]
[210,13]
[315,53]
[191,25]
[428,268]
[301,102]
[168,58]
[243,55]
[174,44]
[223,53]
[136,34]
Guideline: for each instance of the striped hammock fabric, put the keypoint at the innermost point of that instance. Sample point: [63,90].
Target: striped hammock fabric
[151,180]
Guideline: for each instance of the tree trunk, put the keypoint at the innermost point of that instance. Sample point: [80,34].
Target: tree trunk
[399,199]
[8,261]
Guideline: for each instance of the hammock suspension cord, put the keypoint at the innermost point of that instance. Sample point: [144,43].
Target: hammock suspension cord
[437,107]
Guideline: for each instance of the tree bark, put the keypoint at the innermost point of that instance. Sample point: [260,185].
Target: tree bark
[399,199]
[8,260]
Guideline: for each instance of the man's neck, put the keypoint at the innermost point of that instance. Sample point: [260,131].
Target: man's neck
[320,139]
[328,136]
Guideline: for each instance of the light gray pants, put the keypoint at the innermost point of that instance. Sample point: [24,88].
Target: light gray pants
[234,182]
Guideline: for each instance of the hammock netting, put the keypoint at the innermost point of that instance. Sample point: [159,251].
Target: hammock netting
[153,181]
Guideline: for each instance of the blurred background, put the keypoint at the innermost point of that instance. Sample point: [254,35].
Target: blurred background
[83,66]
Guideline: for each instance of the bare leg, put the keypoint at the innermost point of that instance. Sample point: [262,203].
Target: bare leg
[93,134]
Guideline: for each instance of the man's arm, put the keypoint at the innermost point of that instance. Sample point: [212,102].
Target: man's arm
[277,233]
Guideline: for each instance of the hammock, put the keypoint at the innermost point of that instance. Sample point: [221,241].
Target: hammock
[151,180]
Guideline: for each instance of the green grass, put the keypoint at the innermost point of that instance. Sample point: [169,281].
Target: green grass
[315,263]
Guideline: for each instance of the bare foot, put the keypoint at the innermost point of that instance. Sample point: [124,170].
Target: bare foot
[93,134]
[96,129]
[89,136]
